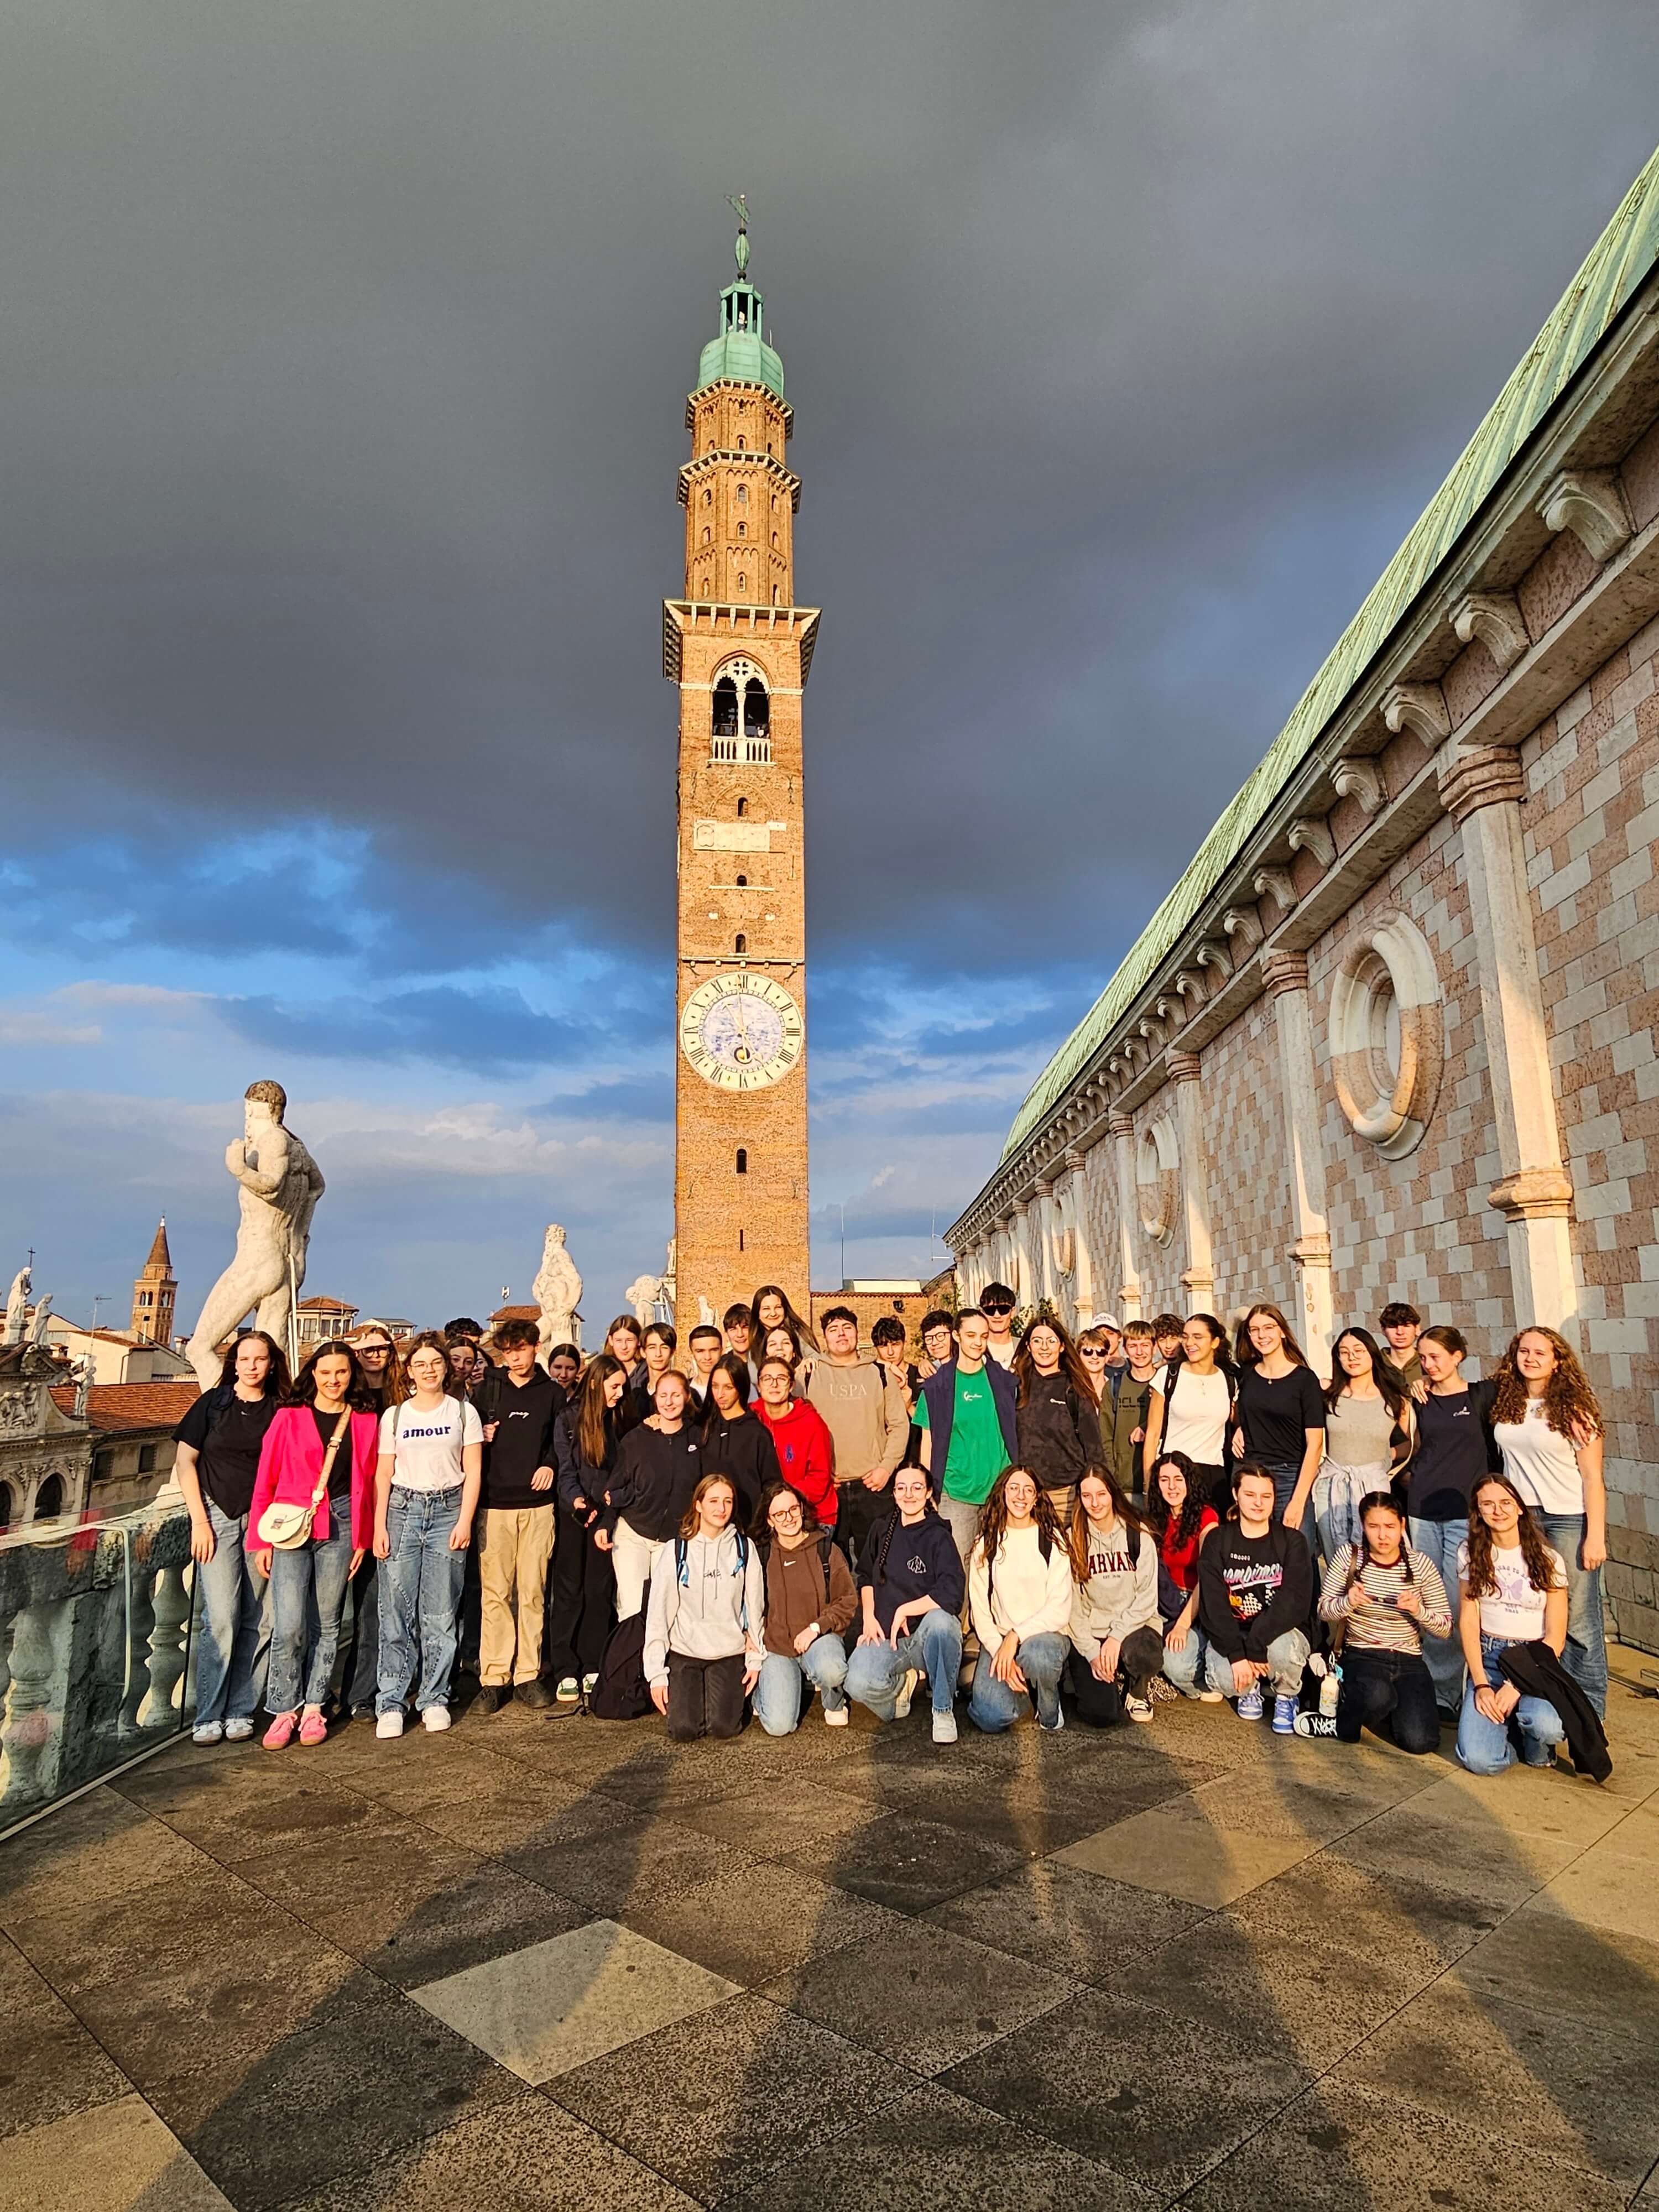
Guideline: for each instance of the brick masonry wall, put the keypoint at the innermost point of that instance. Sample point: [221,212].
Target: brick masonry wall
[1590,818]
[1419,1228]
[1251,1229]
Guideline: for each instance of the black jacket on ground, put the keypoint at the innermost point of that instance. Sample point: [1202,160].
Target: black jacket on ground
[742,1447]
[653,1480]
[1537,1673]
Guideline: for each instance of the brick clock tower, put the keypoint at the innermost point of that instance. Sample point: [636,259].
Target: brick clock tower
[740,649]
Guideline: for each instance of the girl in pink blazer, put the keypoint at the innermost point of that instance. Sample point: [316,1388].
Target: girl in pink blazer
[330,1389]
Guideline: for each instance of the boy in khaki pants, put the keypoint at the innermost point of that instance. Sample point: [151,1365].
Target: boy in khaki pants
[518,1403]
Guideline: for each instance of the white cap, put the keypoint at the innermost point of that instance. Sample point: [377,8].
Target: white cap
[1107,1321]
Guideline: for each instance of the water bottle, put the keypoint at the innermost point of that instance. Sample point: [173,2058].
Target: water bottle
[1329,1690]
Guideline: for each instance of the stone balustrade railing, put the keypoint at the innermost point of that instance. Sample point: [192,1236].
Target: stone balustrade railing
[94,1632]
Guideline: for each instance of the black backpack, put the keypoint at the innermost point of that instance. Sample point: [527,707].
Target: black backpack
[621,1693]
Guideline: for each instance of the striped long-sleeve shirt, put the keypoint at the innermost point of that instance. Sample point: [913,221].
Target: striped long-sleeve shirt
[1381,1626]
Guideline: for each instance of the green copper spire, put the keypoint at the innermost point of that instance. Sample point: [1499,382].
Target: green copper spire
[740,353]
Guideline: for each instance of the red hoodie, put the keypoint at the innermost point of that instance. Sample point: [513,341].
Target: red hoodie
[805,1454]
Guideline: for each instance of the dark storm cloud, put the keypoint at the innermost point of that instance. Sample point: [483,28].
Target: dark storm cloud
[341,358]
[485,1031]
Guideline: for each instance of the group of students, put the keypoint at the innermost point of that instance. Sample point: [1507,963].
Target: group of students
[1049,1525]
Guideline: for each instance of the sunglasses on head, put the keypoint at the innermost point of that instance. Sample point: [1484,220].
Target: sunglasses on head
[998,1308]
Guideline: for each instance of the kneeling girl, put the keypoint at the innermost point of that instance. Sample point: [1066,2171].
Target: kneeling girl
[703,1622]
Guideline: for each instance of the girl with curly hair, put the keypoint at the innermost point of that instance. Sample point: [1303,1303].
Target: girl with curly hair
[1549,1429]
[1513,1591]
[1180,1516]
[1020,1596]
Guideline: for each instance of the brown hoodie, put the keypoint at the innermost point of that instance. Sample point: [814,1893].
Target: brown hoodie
[796,1595]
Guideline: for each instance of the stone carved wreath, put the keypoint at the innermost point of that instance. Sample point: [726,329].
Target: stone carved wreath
[1387,1036]
[1158,1180]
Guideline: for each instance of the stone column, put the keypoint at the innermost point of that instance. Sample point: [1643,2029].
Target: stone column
[1083,1238]
[1042,1241]
[1122,1128]
[1285,975]
[1020,1281]
[1198,1278]
[1482,792]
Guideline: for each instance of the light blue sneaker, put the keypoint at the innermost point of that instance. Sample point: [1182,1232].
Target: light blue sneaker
[1249,1705]
[1283,1716]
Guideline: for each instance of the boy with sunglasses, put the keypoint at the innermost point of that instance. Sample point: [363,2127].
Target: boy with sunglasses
[996,1302]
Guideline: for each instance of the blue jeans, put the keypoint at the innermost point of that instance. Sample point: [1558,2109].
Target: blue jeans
[1585,1657]
[1488,1747]
[308,1595]
[233,1653]
[993,1706]
[1184,1666]
[1286,1656]
[1334,1503]
[785,1679]
[420,1583]
[933,1648]
[1439,1540]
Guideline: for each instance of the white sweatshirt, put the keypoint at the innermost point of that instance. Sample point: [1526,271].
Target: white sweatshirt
[1027,1595]
[710,1609]
[1119,1593]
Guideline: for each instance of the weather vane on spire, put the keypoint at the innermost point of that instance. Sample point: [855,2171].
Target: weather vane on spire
[738,205]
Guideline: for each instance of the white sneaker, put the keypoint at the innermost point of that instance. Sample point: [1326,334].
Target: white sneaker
[944,1728]
[207,1732]
[567,1692]
[388,1725]
[907,1690]
[238,1731]
[1211,1697]
[835,1717]
[1137,1709]
[1053,1727]
[435,1719]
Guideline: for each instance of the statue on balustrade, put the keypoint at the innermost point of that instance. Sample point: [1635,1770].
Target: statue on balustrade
[279,1184]
[557,1287]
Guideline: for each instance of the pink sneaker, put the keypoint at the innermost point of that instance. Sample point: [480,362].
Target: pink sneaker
[279,1733]
[313,1729]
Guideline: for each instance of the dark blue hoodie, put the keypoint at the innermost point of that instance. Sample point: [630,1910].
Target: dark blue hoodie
[920,1560]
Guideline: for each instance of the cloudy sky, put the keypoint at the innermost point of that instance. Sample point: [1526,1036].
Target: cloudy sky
[343,357]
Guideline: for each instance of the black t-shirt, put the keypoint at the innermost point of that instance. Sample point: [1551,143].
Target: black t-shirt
[1455,1448]
[226,1432]
[339,1475]
[1275,1416]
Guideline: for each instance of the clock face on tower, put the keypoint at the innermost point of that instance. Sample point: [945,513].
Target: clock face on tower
[741,1031]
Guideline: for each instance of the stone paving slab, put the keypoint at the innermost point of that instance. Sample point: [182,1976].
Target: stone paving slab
[1191,1962]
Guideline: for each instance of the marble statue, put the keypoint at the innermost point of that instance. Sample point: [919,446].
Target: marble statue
[642,1294]
[279,1185]
[16,1306]
[83,1371]
[667,1287]
[556,1289]
[36,1330]
[707,1317]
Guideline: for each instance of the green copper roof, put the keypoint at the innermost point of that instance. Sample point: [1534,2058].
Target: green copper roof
[1616,264]
[740,352]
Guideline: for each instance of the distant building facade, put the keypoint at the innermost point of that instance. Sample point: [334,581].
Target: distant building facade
[873,1302]
[1391,1035]
[317,1320]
